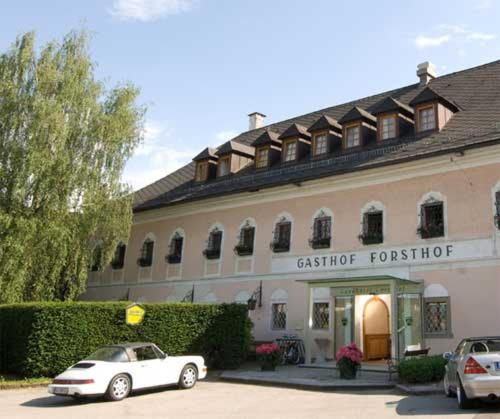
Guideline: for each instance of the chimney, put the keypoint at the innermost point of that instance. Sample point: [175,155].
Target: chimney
[426,72]
[255,120]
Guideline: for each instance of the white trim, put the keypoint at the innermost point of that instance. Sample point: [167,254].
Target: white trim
[438,197]
[435,290]
[371,207]
[364,178]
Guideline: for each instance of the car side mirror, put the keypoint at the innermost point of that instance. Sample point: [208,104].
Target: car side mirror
[448,355]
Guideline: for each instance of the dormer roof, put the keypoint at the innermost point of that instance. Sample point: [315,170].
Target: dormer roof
[266,138]
[430,95]
[325,123]
[236,148]
[295,130]
[355,114]
[208,153]
[389,104]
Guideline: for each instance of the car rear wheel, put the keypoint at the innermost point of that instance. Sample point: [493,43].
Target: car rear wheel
[463,401]
[189,376]
[119,387]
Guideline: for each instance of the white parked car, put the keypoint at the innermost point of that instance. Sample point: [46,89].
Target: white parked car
[473,370]
[116,370]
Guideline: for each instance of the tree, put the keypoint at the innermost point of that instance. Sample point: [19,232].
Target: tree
[64,140]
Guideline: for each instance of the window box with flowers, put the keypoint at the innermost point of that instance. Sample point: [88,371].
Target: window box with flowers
[269,354]
[349,360]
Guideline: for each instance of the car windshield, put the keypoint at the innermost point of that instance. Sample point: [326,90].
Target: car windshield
[109,354]
[488,345]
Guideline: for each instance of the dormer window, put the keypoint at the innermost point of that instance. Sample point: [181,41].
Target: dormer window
[262,159]
[426,118]
[353,136]
[201,171]
[388,127]
[320,144]
[290,151]
[224,165]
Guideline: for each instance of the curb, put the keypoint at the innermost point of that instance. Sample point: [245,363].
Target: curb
[422,390]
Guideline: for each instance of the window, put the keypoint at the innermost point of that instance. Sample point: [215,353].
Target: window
[96,259]
[352,135]
[224,166]
[497,209]
[432,220]
[245,244]
[437,320]
[119,257]
[281,239]
[321,315]
[201,171]
[388,128]
[321,232]
[262,158]
[213,249]
[278,316]
[372,228]
[290,151]
[146,256]
[175,251]
[146,353]
[426,119]
[320,144]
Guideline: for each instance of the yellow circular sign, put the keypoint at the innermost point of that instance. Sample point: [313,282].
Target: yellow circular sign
[134,314]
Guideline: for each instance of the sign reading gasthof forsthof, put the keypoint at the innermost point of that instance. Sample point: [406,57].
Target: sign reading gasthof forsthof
[134,314]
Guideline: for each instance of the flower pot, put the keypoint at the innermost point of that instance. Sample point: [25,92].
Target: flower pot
[347,372]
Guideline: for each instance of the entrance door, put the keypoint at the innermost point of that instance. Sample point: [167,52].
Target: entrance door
[344,321]
[376,330]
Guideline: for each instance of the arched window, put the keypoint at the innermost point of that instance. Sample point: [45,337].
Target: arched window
[437,313]
[279,309]
[432,216]
[214,244]
[119,256]
[96,264]
[372,224]
[282,235]
[246,239]
[146,255]
[175,248]
[322,230]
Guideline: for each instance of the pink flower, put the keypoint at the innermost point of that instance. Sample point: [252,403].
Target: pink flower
[351,352]
[267,349]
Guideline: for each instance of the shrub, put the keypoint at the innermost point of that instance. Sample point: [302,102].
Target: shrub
[43,339]
[422,370]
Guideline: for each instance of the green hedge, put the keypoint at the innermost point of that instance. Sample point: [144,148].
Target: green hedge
[43,339]
[422,370]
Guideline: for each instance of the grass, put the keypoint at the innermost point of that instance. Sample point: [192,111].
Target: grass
[10,381]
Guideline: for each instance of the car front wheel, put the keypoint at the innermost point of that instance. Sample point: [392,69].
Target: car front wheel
[119,387]
[188,378]
[463,401]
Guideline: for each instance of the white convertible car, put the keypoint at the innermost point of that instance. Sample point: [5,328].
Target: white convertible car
[116,370]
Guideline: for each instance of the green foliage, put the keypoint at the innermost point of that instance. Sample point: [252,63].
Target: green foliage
[43,339]
[64,140]
[422,370]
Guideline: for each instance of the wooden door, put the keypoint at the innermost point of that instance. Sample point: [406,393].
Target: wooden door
[376,331]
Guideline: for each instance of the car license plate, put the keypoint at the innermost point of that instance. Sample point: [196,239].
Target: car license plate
[497,366]
[61,390]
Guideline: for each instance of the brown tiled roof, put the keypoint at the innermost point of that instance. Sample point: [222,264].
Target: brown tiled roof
[355,114]
[267,136]
[429,94]
[390,104]
[295,130]
[207,153]
[325,122]
[234,147]
[475,91]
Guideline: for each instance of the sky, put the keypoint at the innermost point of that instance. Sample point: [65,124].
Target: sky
[204,65]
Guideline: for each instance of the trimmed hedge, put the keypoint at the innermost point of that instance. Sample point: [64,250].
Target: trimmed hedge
[43,339]
[422,370]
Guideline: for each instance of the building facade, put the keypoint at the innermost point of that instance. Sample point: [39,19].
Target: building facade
[375,222]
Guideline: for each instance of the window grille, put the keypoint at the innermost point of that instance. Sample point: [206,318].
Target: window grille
[278,316]
[372,228]
[213,249]
[281,240]
[119,257]
[321,315]
[246,241]
[175,251]
[497,209]
[321,232]
[437,316]
[146,256]
[432,220]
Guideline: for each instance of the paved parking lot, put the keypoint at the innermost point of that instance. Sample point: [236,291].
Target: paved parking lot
[227,400]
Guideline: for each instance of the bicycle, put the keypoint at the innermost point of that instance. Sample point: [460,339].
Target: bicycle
[292,349]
